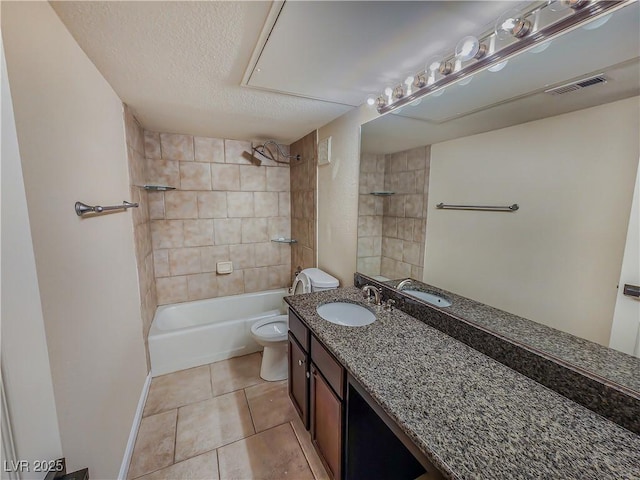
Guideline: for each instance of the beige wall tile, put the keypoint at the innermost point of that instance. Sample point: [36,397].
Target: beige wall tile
[198,233]
[233,150]
[392,248]
[253,178]
[267,254]
[195,176]
[209,256]
[308,257]
[167,233]
[278,179]
[161,263]
[231,284]
[254,230]
[405,228]
[279,227]
[184,260]
[396,206]
[209,149]
[421,181]
[414,205]
[397,162]
[227,231]
[369,226]
[179,204]
[369,265]
[176,147]
[162,172]
[266,204]
[203,285]
[152,145]
[416,158]
[412,253]
[212,204]
[171,290]
[284,204]
[242,256]
[156,205]
[256,279]
[366,247]
[225,177]
[240,204]
[406,182]
[416,272]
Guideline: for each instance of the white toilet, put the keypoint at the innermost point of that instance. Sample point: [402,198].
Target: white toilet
[271,332]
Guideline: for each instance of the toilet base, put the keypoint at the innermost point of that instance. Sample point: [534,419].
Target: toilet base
[274,362]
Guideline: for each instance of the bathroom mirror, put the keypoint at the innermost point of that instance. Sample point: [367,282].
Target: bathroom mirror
[554,131]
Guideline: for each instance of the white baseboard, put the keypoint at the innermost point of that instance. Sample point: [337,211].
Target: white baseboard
[126,460]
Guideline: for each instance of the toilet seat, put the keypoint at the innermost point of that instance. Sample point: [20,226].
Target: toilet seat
[272,329]
[301,284]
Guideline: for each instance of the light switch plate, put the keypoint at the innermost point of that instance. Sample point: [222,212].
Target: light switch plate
[324,151]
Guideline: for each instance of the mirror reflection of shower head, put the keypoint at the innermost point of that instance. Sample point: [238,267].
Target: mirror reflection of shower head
[266,150]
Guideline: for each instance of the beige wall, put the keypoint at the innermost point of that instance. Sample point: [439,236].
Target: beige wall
[72,143]
[556,260]
[141,224]
[303,202]
[224,208]
[29,389]
[338,195]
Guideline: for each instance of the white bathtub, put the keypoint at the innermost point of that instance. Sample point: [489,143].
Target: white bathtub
[189,334]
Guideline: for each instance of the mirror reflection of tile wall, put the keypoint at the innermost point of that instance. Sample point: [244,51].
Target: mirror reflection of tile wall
[391,229]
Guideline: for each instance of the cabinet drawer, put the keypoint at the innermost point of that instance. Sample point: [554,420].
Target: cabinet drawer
[328,366]
[299,330]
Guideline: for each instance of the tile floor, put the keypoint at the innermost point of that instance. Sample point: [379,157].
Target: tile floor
[222,421]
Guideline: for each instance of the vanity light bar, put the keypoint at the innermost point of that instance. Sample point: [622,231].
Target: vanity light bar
[575,17]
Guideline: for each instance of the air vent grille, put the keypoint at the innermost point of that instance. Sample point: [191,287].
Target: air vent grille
[578,85]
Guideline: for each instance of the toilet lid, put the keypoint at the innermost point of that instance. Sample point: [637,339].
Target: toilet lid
[272,329]
[301,284]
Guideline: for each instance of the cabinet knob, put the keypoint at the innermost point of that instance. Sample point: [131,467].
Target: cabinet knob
[300,363]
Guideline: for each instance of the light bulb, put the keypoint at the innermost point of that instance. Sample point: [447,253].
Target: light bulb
[512,24]
[388,91]
[433,65]
[468,48]
[498,66]
[371,100]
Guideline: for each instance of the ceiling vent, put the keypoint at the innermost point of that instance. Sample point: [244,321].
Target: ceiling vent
[578,85]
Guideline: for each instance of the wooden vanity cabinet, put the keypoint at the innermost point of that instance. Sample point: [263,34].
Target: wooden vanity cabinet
[316,387]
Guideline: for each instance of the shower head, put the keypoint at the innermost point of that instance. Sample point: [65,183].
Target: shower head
[251,157]
[265,151]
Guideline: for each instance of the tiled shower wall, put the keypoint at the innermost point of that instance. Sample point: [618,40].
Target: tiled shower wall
[392,228]
[141,222]
[224,208]
[303,198]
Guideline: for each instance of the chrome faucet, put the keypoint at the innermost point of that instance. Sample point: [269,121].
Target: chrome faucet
[366,291]
[403,284]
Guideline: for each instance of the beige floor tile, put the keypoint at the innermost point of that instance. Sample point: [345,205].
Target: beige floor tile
[212,423]
[319,472]
[202,467]
[235,373]
[154,444]
[274,454]
[270,405]
[178,389]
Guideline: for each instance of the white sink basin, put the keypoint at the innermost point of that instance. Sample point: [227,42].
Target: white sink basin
[431,298]
[346,314]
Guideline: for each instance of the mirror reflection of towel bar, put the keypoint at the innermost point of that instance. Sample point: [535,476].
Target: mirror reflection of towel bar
[488,208]
[82,208]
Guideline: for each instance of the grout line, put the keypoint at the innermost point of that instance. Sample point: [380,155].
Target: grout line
[175,438]
[218,464]
[302,449]
[244,390]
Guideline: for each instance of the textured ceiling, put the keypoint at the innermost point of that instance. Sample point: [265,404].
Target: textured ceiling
[179,66]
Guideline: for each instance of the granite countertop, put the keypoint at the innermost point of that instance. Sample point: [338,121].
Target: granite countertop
[610,364]
[471,416]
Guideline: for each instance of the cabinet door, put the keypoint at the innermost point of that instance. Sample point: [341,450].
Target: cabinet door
[326,423]
[299,379]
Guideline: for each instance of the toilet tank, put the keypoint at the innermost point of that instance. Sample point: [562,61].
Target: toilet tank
[320,280]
